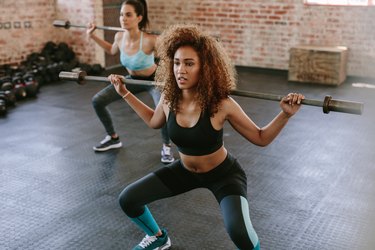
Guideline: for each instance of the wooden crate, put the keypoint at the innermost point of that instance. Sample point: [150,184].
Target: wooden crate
[318,64]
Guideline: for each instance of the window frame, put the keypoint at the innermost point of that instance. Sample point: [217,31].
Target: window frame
[348,4]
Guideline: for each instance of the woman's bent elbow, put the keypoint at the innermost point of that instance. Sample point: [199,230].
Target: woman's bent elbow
[155,126]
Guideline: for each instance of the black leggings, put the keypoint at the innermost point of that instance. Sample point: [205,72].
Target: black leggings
[227,182]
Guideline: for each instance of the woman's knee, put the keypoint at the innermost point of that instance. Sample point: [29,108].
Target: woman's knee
[96,101]
[237,222]
[140,193]
[129,202]
[125,200]
[105,97]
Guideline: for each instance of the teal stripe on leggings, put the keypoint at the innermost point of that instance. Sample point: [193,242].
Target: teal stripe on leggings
[147,222]
[257,247]
[249,227]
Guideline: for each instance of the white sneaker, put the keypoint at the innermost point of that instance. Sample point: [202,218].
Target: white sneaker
[166,154]
[108,143]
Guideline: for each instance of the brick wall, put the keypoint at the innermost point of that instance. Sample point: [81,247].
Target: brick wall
[81,13]
[260,33]
[23,29]
[256,33]
[111,9]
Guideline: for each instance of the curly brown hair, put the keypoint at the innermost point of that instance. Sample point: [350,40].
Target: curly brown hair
[217,74]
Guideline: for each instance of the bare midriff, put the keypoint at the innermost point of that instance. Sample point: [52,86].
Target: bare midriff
[144,72]
[204,163]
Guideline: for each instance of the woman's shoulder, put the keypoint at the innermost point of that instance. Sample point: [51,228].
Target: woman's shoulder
[118,37]
[149,41]
[227,104]
[149,34]
[149,37]
[228,101]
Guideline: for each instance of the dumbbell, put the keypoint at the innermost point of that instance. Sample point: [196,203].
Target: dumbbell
[9,97]
[31,84]
[19,87]
[3,105]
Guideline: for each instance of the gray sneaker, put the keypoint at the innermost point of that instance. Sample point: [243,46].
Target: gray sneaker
[166,154]
[107,144]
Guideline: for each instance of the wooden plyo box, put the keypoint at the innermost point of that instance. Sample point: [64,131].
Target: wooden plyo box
[318,64]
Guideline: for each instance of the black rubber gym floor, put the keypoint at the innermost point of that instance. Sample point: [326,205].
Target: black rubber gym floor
[312,188]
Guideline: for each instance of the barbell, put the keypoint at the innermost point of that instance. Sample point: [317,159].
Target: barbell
[328,104]
[67,25]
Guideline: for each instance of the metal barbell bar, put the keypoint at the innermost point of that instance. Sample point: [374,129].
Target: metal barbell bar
[328,104]
[81,78]
[66,24]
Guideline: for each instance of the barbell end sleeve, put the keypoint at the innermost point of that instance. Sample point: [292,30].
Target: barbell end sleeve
[78,77]
[326,107]
[62,24]
[69,76]
[346,106]
[81,77]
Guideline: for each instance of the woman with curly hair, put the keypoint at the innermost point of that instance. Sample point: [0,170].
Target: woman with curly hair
[197,77]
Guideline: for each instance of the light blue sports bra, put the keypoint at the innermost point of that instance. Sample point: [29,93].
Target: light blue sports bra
[139,60]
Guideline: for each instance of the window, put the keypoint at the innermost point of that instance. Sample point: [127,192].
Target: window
[341,2]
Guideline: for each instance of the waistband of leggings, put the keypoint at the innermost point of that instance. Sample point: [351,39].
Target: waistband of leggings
[145,78]
[218,171]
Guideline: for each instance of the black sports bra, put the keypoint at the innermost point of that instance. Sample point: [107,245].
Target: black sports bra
[201,139]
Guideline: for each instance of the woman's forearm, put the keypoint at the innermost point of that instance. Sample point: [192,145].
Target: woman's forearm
[102,43]
[142,110]
[272,129]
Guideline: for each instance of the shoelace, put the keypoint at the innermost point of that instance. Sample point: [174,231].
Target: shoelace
[106,139]
[147,240]
[166,150]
